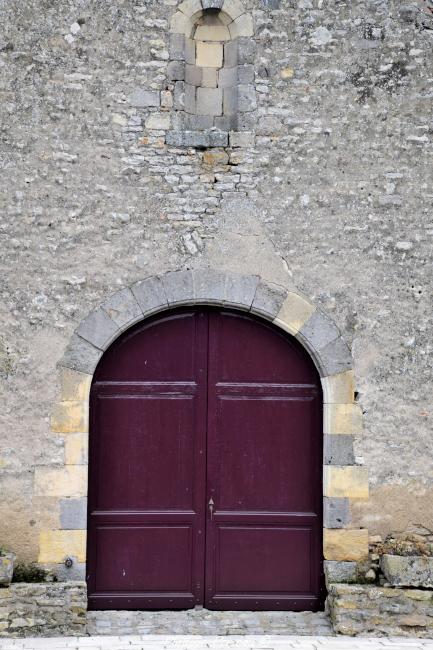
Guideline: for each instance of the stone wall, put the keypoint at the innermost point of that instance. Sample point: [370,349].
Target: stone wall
[43,609]
[327,191]
[381,611]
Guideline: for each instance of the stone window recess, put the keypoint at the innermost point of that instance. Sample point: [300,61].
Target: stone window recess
[211,68]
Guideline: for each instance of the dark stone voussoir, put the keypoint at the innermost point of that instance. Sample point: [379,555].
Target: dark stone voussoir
[268,300]
[179,287]
[123,308]
[240,290]
[209,286]
[335,358]
[81,355]
[150,295]
[98,329]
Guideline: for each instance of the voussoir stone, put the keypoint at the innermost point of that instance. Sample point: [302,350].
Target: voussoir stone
[123,308]
[318,331]
[81,355]
[268,299]
[150,295]
[209,286]
[179,287]
[335,358]
[98,328]
[240,290]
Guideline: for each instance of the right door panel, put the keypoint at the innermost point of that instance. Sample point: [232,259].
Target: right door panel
[264,477]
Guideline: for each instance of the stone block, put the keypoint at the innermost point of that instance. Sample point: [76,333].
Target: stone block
[247,121]
[179,96]
[240,290]
[231,54]
[242,26]
[338,450]
[76,449]
[56,545]
[268,300]
[345,545]
[179,287]
[195,139]
[212,4]
[342,418]
[408,571]
[190,99]
[81,355]
[68,481]
[209,55]
[339,389]
[350,482]
[212,33]
[246,48]
[233,8]
[158,122]
[230,101]
[227,77]
[246,74]
[318,331]
[150,295]
[198,122]
[190,51]
[295,311]
[6,571]
[227,122]
[245,140]
[209,286]
[70,417]
[336,512]
[340,572]
[75,573]
[209,101]
[176,71]
[98,329]
[193,75]
[122,307]
[218,139]
[179,23]
[144,98]
[335,358]
[209,77]
[177,47]
[73,514]
[190,7]
[247,100]
[74,386]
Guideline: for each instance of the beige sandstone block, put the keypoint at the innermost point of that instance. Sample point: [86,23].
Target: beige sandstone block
[77,449]
[212,33]
[56,545]
[209,55]
[295,311]
[190,7]
[350,481]
[233,8]
[242,26]
[180,23]
[342,418]
[68,481]
[70,417]
[345,545]
[75,386]
[339,389]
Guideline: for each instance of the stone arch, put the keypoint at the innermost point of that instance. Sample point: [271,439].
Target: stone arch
[211,64]
[343,480]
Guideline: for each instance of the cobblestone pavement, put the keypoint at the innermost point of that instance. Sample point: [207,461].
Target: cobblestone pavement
[250,642]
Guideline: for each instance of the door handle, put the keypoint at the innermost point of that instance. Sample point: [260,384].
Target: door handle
[211,505]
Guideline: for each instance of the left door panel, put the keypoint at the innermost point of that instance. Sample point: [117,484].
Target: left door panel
[147,467]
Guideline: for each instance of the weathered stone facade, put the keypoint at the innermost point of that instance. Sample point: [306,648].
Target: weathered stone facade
[322,188]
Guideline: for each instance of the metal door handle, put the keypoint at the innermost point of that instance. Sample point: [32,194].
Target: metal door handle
[211,505]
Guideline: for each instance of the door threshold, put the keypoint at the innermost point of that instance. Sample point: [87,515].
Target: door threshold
[201,621]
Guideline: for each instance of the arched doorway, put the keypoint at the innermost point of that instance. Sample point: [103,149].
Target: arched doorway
[205,470]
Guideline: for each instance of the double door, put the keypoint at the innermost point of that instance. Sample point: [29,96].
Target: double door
[205,483]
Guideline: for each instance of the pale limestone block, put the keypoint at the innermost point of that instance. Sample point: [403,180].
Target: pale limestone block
[342,418]
[190,7]
[68,481]
[350,481]
[209,77]
[74,385]
[158,122]
[180,23]
[209,101]
[339,389]
[76,449]
[212,33]
[233,8]
[345,545]
[70,417]
[209,55]
[190,46]
[56,545]
[294,313]
[242,26]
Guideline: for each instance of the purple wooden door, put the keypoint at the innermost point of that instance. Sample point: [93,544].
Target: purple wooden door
[205,468]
